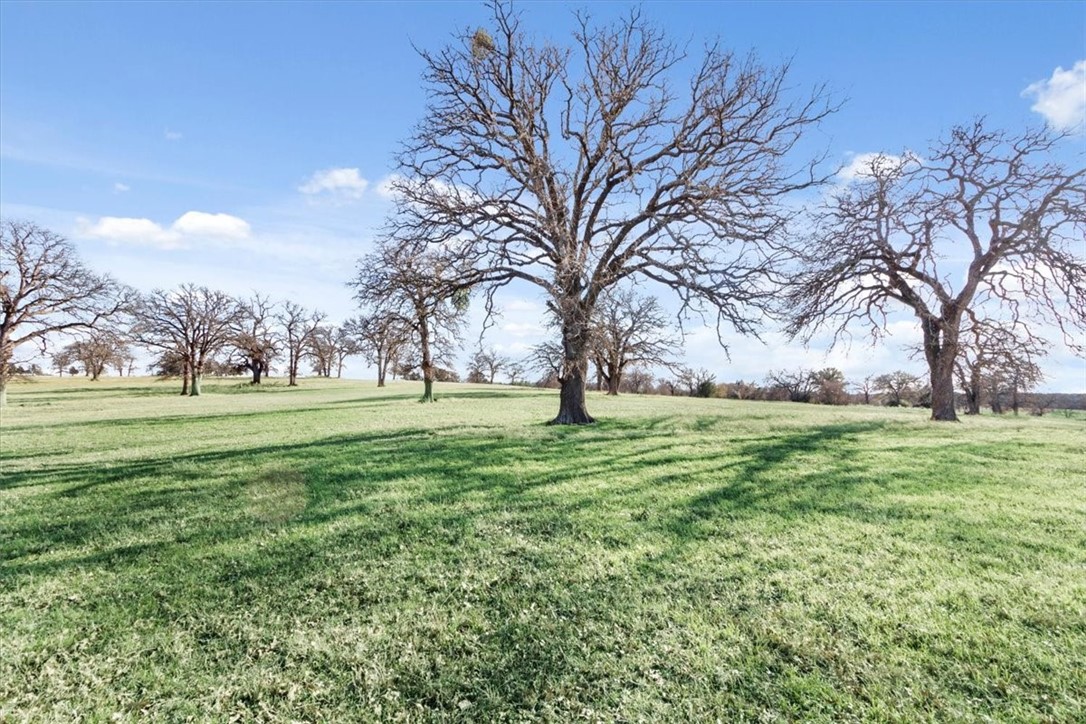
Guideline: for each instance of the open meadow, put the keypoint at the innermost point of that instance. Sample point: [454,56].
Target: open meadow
[337,551]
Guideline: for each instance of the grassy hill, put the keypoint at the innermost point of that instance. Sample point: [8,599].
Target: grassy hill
[335,551]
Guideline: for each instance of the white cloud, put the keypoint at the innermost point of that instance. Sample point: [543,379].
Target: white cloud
[200,223]
[523,329]
[145,232]
[171,135]
[385,186]
[125,230]
[1061,99]
[862,165]
[120,188]
[344,183]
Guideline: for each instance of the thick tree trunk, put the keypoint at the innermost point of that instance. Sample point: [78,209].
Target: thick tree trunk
[571,407]
[1014,399]
[613,381]
[3,387]
[292,370]
[258,370]
[940,349]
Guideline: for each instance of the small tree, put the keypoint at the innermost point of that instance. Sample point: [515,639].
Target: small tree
[627,330]
[865,388]
[485,365]
[829,385]
[190,322]
[99,349]
[900,388]
[638,381]
[298,327]
[996,358]
[425,289]
[381,335]
[254,339]
[515,371]
[795,385]
[46,291]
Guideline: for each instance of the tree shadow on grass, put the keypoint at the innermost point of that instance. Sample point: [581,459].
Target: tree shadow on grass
[458,476]
[487,538]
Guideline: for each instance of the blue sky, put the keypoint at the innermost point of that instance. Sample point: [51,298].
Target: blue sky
[186,142]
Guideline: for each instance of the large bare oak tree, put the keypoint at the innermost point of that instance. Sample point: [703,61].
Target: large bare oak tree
[574,167]
[986,220]
[45,291]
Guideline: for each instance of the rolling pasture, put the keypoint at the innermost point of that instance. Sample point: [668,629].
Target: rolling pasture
[337,551]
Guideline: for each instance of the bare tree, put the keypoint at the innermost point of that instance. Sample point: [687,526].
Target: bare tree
[485,364]
[995,356]
[45,291]
[515,371]
[697,382]
[381,335]
[899,387]
[298,326]
[629,329]
[322,350]
[99,349]
[344,345]
[637,381]
[190,323]
[573,168]
[424,288]
[124,359]
[743,390]
[330,347]
[797,385]
[865,387]
[254,338]
[996,198]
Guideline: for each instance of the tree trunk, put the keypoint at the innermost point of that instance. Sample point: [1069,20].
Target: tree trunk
[571,407]
[427,362]
[292,369]
[972,400]
[942,388]
[1014,398]
[258,370]
[613,381]
[940,349]
[3,388]
[185,379]
[197,375]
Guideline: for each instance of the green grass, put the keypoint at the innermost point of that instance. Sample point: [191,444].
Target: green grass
[336,551]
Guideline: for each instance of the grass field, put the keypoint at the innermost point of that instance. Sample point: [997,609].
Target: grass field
[339,552]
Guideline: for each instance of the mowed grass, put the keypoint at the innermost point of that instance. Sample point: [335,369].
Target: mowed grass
[340,552]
